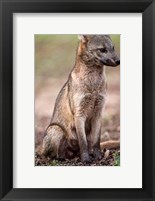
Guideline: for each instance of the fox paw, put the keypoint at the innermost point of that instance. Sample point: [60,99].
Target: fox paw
[97,155]
[86,158]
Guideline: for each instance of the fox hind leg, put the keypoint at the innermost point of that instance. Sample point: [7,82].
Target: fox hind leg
[55,142]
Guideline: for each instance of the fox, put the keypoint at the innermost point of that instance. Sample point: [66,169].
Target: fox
[75,126]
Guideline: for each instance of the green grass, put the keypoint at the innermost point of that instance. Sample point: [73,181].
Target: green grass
[117,159]
[54,163]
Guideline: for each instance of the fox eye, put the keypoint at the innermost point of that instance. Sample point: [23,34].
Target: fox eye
[103,50]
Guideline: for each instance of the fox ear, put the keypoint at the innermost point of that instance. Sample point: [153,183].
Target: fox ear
[83,38]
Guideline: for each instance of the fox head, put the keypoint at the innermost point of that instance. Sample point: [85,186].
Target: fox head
[98,50]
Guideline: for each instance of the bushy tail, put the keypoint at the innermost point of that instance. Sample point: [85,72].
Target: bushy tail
[111,144]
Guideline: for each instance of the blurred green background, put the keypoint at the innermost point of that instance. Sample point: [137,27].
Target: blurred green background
[55,54]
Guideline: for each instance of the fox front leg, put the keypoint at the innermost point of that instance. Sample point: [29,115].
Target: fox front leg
[80,129]
[94,142]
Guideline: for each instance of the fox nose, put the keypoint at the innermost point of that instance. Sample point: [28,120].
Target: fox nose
[117,62]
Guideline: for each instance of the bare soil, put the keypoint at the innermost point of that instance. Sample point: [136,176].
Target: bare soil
[109,158]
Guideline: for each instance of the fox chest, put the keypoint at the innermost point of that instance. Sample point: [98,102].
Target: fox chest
[89,104]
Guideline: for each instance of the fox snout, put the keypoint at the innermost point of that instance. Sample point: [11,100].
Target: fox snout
[111,61]
[109,57]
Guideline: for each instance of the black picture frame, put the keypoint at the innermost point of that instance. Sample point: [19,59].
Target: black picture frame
[7,8]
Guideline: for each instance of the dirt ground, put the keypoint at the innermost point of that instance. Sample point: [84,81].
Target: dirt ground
[45,96]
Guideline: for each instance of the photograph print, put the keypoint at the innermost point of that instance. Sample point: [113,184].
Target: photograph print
[77,100]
